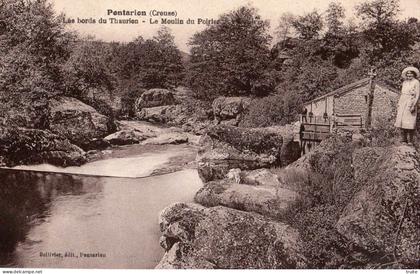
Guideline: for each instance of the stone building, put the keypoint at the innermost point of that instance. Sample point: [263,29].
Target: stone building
[352,99]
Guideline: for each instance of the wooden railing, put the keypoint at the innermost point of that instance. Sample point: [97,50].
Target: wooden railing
[349,120]
[317,128]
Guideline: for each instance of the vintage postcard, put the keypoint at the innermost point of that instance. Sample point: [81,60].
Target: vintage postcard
[192,134]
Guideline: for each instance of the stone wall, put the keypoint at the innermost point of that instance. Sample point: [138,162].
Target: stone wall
[355,102]
[384,104]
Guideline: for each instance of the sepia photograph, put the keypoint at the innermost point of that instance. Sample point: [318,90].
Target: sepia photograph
[197,134]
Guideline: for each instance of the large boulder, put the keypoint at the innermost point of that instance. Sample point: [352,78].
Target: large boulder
[76,121]
[168,138]
[267,200]
[154,114]
[224,238]
[229,109]
[127,137]
[154,98]
[259,177]
[322,155]
[383,215]
[19,146]
[225,148]
[214,164]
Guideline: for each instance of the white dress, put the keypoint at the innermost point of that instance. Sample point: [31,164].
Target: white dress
[409,97]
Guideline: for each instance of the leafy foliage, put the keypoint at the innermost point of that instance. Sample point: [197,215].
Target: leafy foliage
[32,45]
[285,29]
[334,18]
[152,63]
[309,25]
[87,69]
[325,191]
[231,58]
[272,110]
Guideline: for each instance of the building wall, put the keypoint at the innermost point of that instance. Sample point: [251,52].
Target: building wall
[319,107]
[355,102]
[384,105]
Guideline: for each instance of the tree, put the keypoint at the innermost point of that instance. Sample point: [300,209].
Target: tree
[334,18]
[87,69]
[152,63]
[340,43]
[378,12]
[384,33]
[309,25]
[285,28]
[33,44]
[231,57]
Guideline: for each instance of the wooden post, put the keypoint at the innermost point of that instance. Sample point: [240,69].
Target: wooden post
[372,76]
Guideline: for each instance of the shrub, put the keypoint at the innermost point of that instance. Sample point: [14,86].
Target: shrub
[383,133]
[324,192]
[256,140]
[272,110]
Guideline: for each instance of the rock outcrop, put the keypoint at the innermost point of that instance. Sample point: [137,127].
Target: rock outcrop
[229,110]
[168,138]
[215,164]
[383,216]
[154,98]
[154,114]
[259,177]
[224,238]
[322,154]
[19,146]
[227,147]
[76,121]
[263,199]
[127,137]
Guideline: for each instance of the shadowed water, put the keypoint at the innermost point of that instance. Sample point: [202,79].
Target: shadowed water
[115,217]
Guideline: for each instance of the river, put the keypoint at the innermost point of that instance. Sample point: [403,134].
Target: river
[46,214]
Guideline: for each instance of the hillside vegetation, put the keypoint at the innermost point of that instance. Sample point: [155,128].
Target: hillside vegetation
[310,55]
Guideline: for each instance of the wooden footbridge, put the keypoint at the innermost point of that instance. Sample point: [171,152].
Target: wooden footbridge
[316,128]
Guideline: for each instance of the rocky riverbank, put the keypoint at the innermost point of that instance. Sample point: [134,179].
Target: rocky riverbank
[329,209]
[72,133]
[262,205]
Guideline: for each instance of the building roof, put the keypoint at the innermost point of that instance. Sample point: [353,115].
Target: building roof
[347,88]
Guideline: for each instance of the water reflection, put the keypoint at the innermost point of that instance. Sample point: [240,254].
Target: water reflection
[25,199]
[65,213]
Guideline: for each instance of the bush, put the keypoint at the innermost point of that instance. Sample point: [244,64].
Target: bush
[272,110]
[324,192]
[383,133]
[315,216]
[255,140]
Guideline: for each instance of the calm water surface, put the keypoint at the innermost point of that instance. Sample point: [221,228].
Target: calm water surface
[117,217]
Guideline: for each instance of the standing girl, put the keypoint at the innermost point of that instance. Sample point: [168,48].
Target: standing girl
[407,105]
